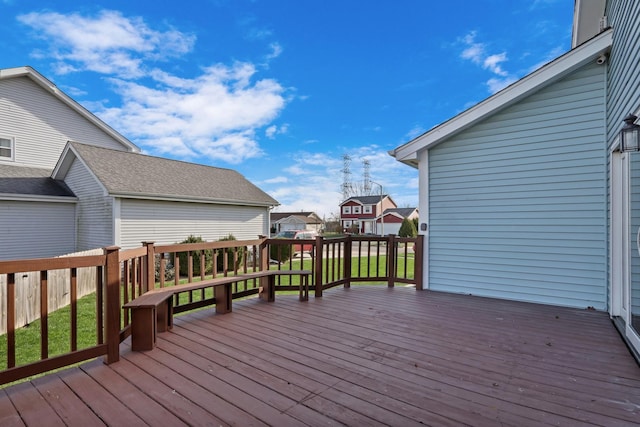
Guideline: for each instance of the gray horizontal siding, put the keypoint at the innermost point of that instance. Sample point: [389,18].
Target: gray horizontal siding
[172,222]
[36,229]
[624,64]
[42,125]
[517,203]
[95,209]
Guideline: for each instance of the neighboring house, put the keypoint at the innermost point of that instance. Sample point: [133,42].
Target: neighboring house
[58,196]
[283,221]
[392,219]
[527,196]
[363,213]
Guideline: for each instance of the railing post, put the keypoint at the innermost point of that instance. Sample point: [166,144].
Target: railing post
[418,261]
[348,244]
[112,303]
[392,254]
[263,249]
[150,267]
[318,267]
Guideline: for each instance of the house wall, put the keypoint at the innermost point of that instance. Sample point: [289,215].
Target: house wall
[172,222]
[623,97]
[517,203]
[94,215]
[42,125]
[36,229]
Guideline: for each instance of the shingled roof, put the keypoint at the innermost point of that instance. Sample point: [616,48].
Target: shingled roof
[26,181]
[127,174]
[365,200]
[403,212]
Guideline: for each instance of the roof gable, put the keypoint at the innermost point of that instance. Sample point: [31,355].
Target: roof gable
[49,87]
[544,76]
[134,175]
[366,200]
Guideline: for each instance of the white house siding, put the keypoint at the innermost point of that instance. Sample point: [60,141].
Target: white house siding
[517,203]
[94,211]
[171,222]
[42,124]
[36,229]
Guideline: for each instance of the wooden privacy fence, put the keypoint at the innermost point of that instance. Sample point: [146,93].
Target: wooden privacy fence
[27,284]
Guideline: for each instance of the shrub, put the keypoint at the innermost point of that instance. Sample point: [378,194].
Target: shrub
[183,258]
[407,229]
[230,255]
[280,253]
[169,271]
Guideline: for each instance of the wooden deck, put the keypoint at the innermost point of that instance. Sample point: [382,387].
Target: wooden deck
[363,357]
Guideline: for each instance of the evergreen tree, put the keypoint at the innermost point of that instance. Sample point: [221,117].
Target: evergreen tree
[408,229]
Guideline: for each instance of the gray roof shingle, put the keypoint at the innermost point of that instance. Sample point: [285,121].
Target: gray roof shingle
[133,174]
[31,182]
[365,200]
[404,212]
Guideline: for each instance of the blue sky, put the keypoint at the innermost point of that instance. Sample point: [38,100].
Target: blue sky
[281,90]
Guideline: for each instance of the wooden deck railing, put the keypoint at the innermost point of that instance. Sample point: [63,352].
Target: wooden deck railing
[122,275]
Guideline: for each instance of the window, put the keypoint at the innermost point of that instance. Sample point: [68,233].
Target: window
[356,209]
[367,209]
[346,209]
[347,224]
[6,148]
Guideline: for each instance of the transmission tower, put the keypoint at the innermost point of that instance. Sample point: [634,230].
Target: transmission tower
[366,166]
[346,177]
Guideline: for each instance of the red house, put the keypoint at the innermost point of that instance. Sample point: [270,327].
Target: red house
[362,214]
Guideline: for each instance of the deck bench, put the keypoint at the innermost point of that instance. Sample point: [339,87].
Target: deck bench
[152,312]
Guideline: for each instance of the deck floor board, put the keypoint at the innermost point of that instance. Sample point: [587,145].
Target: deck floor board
[368,355]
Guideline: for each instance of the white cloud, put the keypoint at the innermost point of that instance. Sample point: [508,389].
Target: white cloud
[415,132]
[276,51]
[274,130]
[495,84]
[107,43]
[277,180]
[215,115]
[476,52]
[492,63]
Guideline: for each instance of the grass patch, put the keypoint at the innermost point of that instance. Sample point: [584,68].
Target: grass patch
[28,337]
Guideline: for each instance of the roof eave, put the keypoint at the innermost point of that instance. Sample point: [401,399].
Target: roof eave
[37,198]
[545,75]
[171,198]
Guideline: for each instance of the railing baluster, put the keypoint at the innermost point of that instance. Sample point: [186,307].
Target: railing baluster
[100,304]
[11,320]
[73,284]
[44,316]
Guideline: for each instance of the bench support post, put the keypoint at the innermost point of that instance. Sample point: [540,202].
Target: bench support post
[143,328]
[223,296]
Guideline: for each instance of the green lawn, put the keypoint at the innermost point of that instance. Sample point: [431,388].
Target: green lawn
[28,337]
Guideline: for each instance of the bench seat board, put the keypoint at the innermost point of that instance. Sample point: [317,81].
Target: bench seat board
[152,312]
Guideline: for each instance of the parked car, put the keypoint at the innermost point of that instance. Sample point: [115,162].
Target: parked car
[299,235]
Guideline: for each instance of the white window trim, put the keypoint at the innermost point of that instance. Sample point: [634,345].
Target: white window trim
[346,210]
[356,209]
[12,142]
[367,209]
